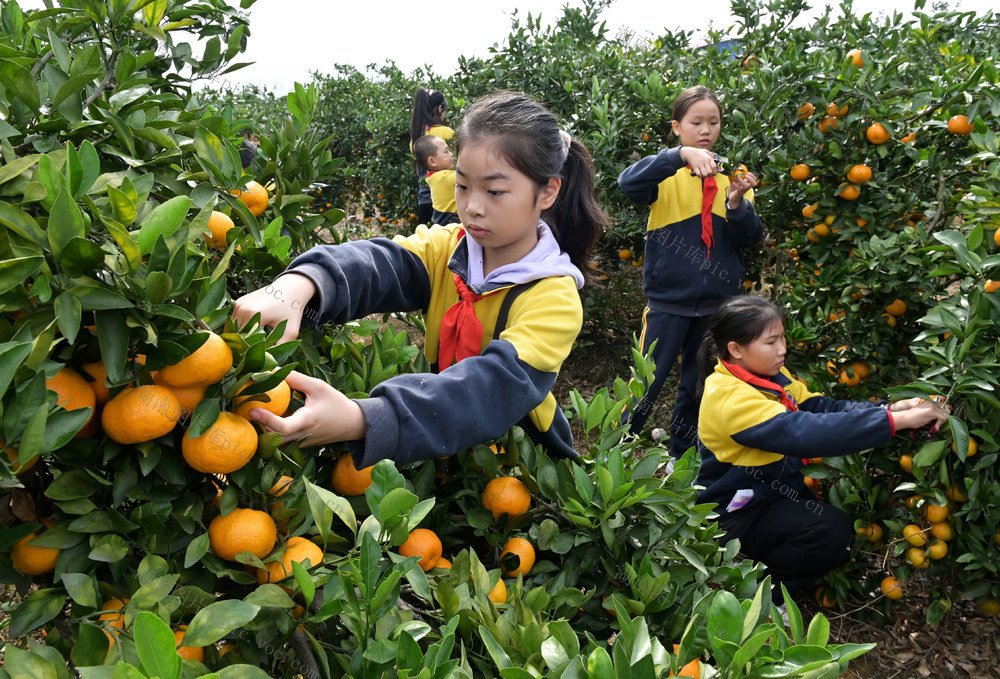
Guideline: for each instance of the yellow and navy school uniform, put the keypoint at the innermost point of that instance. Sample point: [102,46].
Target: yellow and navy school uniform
[442,185]
[682,274]
[419,416]
[753,433]
[424,191]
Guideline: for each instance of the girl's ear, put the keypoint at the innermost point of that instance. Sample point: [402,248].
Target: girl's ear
[675,126]
[735,350]
[547,196]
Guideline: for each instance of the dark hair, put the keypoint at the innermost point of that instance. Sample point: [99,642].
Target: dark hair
[426,105]
[740,319]
[527,135]
[688,97]
[423,149]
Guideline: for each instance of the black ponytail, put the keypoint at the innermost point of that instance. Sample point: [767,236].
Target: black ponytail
[528,137]
[740,319]
[425,107]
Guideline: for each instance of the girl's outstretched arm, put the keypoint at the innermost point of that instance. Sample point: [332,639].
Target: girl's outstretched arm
[641,181]
[283,300]
[327,416]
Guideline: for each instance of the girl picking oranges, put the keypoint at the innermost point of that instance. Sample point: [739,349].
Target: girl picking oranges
[524,191]
[699,222]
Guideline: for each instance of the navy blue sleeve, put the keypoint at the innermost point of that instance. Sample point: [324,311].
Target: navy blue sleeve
[641,181]
[825,404]
[819,434]
[415,417]
[364,277]
[746,227]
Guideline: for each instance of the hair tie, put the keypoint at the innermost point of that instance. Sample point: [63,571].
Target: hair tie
[566,141]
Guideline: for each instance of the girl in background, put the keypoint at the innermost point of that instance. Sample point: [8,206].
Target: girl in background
[429,107]
[756,425]
[499,292]
[699,223]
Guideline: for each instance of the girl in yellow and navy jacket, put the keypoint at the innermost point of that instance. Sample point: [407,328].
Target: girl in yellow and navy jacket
[429,108]
[530,220]
[755,426]
[700,221]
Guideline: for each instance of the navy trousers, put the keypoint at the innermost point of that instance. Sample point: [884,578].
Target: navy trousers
[673,335]
[798,539]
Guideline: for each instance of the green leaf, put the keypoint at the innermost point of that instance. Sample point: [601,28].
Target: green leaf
[497,654]
[43,605]
[22,223]
[322,500]
[217,620]
[122,206]
[113,337]
[28,664]
[163,221]
[82,589]
[12,356]
[80,257]
[156,646]
[929,453]
[14,272]
[109,549]
[599,665]
[819,631]
[65,222]
[17,166]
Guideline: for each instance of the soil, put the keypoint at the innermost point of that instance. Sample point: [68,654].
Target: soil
[965,644]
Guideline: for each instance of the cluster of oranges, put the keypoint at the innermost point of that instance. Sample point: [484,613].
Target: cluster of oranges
[503,496]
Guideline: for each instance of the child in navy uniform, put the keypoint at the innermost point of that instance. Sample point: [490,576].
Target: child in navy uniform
[756,425]
[436,159]
[530,219]
[699,222]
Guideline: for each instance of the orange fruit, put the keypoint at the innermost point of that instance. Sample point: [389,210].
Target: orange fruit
[809,210]
[937,550]
[740,172]
[138,414]
[99,385]
[279,399]
[187,652]
[506,495]
[917,557]
[959,125]
[955,494]
[115,618]
[800,172]
[645,136]
[856,58]
[14,455]
[912,501]
[942,531]
[805,111]
[208,364]
[425,543]
[911,137]
[859,174]
[692,669]
[32,559]
[828,123]
[822,229]
[227,445]
[877,134]
[996,237]
[219,224]
[848,191]
[936,513]
[349,481]
[73,392]
[187,397]
[861,369]
[892,587]
[991,285]
[897,308]
[989,605]
[836,315]
[498,594]
[297,550]
[889,319]
[906,464]
[443,563]
[624,253]
[255,198]
[524,551]
[871,533]
[848,379]
[834,111]
[914,535]
[824,599]
[242,530]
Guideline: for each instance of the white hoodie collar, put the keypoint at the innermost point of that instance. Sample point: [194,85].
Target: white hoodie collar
[545,259]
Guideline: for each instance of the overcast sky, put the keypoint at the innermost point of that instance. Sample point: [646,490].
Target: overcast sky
[292,38]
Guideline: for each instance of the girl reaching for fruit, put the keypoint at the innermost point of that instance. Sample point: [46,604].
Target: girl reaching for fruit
[755,425]
[499,292]
[699,223]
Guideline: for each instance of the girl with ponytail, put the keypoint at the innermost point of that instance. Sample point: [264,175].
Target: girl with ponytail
[499,292]
[758,426]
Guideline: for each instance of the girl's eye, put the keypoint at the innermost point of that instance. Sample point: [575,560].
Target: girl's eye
[460,187]
[494,192]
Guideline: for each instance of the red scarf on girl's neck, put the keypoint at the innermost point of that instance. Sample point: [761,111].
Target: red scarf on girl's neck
[751,379]
[709,189]
[461,332]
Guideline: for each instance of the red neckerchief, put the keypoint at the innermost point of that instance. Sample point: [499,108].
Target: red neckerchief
[430,172]
[754,380]
[461,331]
[709,189]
